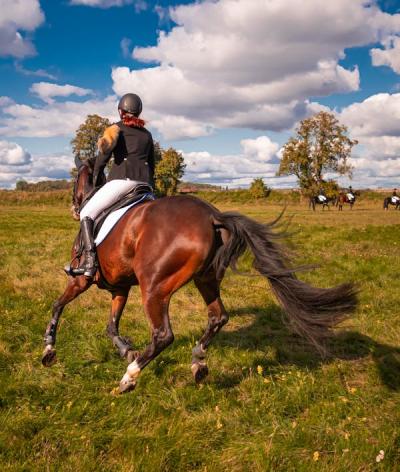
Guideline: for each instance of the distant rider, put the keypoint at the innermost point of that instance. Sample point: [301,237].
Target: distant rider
[132,146]
[350,194]
[395,197]
[321,196]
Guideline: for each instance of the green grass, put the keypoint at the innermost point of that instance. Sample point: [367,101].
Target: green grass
[270,403]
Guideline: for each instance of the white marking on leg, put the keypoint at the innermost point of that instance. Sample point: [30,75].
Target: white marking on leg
[133,369]
[132,373]
[48,347]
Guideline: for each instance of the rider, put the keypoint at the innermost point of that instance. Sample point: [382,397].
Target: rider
[395,197]
[132,146]
[350,193]
[321,195]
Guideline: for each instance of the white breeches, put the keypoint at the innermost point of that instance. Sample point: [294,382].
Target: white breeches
[110,193]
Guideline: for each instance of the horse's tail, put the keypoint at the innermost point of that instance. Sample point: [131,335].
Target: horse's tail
[386,203]
[311,311]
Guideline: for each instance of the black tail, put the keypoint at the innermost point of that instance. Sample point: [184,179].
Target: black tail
[311,311]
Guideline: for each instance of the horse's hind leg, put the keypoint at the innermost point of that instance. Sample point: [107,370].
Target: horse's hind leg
[217,317]
[123,345]
[156,304]
[75,287]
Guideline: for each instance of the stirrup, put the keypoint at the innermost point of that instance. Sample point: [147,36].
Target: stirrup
[76,271]
[69,270]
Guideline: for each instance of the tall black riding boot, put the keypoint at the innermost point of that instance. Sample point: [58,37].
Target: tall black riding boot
[89,253]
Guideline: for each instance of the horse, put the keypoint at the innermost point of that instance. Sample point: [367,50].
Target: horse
[389,201]
[315,200]
[163,244]
[344,198]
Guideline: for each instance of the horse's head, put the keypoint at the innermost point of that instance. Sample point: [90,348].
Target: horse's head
[83,184]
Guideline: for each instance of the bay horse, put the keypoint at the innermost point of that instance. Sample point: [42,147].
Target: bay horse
[325,203]
[388,201]
[163,244]
[343,198]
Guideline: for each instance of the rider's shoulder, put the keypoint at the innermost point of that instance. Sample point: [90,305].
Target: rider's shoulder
[109,139]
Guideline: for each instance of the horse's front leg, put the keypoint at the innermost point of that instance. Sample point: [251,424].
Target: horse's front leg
[123,344]
[156,305]
[217,318]
[75,287]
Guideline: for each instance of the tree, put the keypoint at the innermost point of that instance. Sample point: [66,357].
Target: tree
[258,189]
[321,145]
[169,170]
[84,145]
[21,185]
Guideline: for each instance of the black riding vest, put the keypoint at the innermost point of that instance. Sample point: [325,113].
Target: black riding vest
[133,156]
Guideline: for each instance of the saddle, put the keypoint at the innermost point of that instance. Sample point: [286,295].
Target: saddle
[140,194]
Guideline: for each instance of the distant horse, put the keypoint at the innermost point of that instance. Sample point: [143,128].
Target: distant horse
[316,200]
[391,201]
[344,198]
[163,244]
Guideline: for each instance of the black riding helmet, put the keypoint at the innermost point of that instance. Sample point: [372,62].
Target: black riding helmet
[131,103]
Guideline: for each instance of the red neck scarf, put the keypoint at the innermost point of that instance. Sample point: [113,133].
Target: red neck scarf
[132,121]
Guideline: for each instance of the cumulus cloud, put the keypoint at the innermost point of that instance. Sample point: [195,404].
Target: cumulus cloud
[12,154]
[47,91]
[18,16]
[57,119]
[258,158]
[140,5]
[375,123]
[389,56]
[40,167]
[248,63]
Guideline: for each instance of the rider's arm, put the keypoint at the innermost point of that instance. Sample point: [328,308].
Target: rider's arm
[105,146]
[99,166]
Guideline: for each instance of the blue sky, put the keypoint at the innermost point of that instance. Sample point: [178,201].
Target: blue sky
[223,81]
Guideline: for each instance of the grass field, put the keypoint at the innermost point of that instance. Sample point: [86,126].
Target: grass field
[270,403]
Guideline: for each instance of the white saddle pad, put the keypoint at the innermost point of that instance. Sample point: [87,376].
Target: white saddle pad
[395,200]
[112,219]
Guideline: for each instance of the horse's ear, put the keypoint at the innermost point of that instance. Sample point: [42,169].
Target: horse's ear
[78,162]
[90,162]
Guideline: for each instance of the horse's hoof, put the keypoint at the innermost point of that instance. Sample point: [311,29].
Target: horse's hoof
[49,357]
[199,371]
[126,386]
[131,356]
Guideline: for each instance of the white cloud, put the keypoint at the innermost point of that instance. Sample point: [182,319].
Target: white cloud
[377,116]
[375,123]
[12,154]
[46,91]
[140,5]
[125,44]
[57,119]
[35,73]
[389,56]
[17,16]
[257,159]
[248,63]
[40,167]
[4,101]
